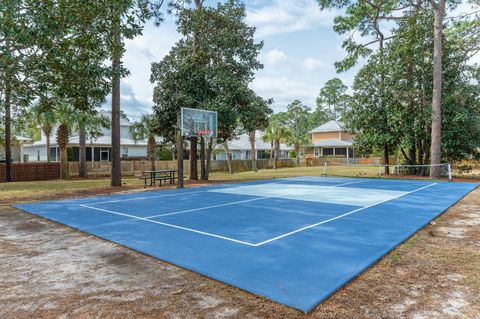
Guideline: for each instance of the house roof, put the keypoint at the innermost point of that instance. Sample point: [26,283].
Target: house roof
[242,142]
[333,143]
[23,139]
[331,126]
[102,140]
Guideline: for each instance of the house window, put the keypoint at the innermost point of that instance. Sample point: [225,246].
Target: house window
[53,154]
[124,151]
[328,151]
[316,151]
[341,151]
[104,154]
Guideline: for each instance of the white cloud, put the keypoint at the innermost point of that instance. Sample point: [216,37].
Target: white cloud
[312,64]
[284,90]
[287,16]
[275,56]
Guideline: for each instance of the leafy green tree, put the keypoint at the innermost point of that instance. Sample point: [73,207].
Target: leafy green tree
[65,115]
[123,19]
[142,130]
[298,125]
[276,133]
[369,115]
[209,68]
[16,40]
[332,100]
[43,116]
[365,17]
[405,121]
[254,116]
[89,124]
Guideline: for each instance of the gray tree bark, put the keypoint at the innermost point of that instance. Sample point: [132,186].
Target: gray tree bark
[435,156]
[116,162]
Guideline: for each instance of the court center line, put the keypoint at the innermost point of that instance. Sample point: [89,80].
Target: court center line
[208,207]
[338,217]
[168,225]
[236,202]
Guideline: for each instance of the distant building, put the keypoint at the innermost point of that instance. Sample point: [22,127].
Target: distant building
[330,139]
[18,144]
[98,149]
[240,148]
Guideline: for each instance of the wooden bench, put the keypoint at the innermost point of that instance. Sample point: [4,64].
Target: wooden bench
[145,180]
[171,179]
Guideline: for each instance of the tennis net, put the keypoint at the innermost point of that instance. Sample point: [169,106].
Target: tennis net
[380,170]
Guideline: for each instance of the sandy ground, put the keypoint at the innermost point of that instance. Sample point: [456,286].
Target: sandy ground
[51,271]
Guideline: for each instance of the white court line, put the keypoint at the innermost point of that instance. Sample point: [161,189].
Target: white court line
[338,217]
[159,196]
[145,197]
[169,225]
[336,185]
[208,207]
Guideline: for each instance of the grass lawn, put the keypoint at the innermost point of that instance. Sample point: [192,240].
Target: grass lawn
[22,191]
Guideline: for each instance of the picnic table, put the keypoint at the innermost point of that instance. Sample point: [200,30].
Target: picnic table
[166,175]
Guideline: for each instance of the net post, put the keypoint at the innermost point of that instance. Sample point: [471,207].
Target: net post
[449,172]
[179,155]
[325,169]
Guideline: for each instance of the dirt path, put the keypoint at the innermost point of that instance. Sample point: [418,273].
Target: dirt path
[48,270]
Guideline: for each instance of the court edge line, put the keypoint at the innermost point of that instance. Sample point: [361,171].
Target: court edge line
[338,217]
[168,225]
[208,207]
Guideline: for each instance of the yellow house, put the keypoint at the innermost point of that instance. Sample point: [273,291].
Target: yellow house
[330,139]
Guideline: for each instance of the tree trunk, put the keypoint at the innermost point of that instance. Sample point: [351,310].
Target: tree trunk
[435,157]
[180,159]
[209,158]
[297,153]
[202,158]
[272,149]
[193,159]
[63,163]
[48,133]
[116,64]
[151,145]
[253,151]
[386,156]
[82,165]
[276,153]
[229,158]
[8,130]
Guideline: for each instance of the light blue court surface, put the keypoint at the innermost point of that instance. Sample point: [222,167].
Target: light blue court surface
[293,240]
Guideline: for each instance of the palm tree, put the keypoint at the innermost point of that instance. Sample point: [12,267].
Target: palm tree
[88,124]
[142,130]
[43,116]
[275,133]
[65,115]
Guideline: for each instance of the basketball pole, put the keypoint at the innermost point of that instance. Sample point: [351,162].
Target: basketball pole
[179,154]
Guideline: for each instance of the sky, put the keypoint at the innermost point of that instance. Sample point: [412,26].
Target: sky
[300,49]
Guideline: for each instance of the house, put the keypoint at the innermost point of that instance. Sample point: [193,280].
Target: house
[240,148]
[330,139]
[18,145]
[98,149]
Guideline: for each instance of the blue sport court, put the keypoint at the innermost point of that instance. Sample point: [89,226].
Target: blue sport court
[293,240]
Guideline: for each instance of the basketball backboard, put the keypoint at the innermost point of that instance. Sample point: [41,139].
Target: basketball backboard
[196,122]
